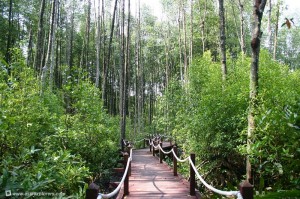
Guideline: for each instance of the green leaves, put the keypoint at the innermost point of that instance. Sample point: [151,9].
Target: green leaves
[45,148]
[210,119]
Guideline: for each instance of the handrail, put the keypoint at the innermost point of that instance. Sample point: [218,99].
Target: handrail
[221,192]
[100,196]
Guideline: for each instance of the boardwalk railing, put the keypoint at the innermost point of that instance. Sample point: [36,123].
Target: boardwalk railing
[93,190]
[246,189]
[155,143]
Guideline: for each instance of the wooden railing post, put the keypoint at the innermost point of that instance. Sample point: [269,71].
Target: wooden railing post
[153,149]
[129,169]
[160,153]
[126,182]
[246,190]
[192,176]
[92,191]
[122,144]
[175,161]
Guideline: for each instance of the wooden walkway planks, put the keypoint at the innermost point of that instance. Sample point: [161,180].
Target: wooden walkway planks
[150,179]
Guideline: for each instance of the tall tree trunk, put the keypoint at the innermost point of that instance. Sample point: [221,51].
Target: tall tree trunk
[122,77]
[50,46]
[167,69]
[127,61]
[106,65]
[137,63]
[40,38]
[53,42]
[185,46]
[71,41]
[269,39]
[9,36]
[258,9]
[222,39]
[140,74]
[180,43]
[29,48]
[243,34]
[192,32]
[103,30]
[276,30]
[84,60]
[98,43]
[202,25]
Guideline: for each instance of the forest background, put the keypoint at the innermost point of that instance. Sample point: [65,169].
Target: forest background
[77,76]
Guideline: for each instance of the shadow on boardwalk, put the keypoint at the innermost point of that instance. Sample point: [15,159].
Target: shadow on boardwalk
[150,179]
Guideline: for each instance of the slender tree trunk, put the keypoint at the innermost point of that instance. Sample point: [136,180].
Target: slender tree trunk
[140,80]
[71,41]
[106,65]
[53,42]
[185,46]
[192,32]
[276,30]
[122,77]
[127,59]
[88,32]
[137,73]
[84,60]
[167,69]
[9,36]
[29,50]
[103,30]
[50,46]
[258,9]
[180,43]
[269,39]
[222,39]
[98,44]
[243,34]
[236,25]
[40,38]
[202,25]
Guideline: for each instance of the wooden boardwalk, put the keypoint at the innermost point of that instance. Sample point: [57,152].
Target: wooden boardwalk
[150,179]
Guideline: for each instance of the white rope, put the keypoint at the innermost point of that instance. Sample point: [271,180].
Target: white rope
[165,151]
[179,160]
[225,193]
[100,196]
[155,147]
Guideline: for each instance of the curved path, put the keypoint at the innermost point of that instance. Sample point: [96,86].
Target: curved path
[150,179]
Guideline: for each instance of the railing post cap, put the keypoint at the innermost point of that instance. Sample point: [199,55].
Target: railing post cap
[125,153]
[245,183]
[93,186]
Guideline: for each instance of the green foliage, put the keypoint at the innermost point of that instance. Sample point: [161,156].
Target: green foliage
[293,194]
[276,147]
[209,117]
[42,147]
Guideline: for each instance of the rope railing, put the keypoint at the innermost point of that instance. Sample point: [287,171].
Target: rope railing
[118,188]
[116,191]
[155,143]
[221,192]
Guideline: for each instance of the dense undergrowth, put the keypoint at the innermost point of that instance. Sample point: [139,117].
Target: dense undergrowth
[52,141]
[209,117]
